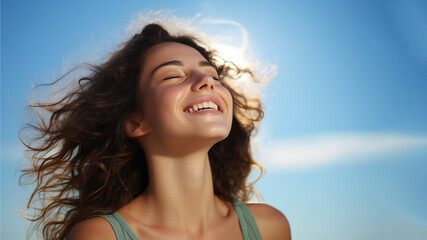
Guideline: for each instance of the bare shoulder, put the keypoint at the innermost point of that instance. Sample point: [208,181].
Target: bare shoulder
[96,228]
[271,222]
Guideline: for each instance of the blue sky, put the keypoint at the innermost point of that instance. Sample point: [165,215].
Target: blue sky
[344,137]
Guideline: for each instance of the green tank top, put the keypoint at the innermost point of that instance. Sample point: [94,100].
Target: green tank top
[247,223]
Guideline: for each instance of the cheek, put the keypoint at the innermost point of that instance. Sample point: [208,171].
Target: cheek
[170,97]
[228,98]
[162,105]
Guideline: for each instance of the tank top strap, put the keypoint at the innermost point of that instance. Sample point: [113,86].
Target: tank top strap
[248,226]
[247,221]
[120,227]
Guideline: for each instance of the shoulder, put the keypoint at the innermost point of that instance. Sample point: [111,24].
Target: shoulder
[96,228]
[271,222]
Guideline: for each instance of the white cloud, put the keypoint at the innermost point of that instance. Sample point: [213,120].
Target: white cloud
[336,148]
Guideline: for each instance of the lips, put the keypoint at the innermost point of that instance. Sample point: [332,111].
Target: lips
[205,103]
[204,106]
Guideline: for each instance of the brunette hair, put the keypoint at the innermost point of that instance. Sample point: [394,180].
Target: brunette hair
[84,165]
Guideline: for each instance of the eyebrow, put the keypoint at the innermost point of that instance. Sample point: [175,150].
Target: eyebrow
[202,63]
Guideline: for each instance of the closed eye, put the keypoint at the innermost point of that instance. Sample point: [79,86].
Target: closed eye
[171,77]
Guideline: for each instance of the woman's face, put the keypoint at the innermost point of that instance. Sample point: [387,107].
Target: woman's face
[183,100]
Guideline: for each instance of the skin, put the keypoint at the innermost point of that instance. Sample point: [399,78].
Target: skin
[179,202]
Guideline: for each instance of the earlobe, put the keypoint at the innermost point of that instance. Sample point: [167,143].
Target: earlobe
[134,127]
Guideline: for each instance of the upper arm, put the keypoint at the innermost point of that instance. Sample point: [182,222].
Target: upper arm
[96,228]
[271,222]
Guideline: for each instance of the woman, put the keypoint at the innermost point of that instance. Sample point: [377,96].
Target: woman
[154,144]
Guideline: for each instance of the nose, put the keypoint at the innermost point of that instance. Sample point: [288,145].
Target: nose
[204,82]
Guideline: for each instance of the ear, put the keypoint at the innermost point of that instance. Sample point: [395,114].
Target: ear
[134,126]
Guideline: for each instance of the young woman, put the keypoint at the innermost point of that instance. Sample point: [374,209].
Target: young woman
[154,144]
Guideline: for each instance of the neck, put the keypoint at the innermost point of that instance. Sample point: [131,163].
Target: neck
[180,191]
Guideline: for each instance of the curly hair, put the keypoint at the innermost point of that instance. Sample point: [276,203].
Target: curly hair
[84,165]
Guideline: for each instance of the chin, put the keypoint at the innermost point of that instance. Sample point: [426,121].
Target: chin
[216,133]
[212,137]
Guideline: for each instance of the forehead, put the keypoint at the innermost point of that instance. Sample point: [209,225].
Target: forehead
[169,51]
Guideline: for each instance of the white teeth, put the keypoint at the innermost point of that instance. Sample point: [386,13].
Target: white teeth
[212,105]
[202,106]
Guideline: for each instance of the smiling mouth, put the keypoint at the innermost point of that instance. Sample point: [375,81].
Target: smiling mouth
[203,106]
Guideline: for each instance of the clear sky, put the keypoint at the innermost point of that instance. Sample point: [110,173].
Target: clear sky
[344,137]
